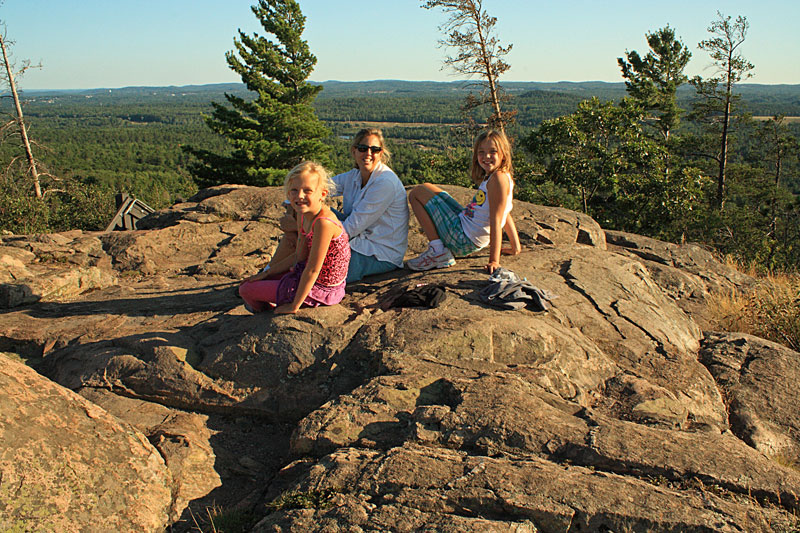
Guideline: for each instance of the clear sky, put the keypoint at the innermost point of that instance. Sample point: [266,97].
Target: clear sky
[120,43]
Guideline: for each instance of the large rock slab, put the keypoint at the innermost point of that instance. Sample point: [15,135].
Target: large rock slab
[52,267]
[611,410]
[759,382]
[67,465]
[182,438]
[687,273]
[415,488]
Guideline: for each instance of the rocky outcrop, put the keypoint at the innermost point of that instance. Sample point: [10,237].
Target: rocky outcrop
[67,465]
[758,380]
[613,410]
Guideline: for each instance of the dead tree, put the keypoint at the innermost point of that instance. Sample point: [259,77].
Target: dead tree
[19,120]
[470,31]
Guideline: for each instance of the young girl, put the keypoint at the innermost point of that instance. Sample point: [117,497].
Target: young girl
[316,275]
[455,230]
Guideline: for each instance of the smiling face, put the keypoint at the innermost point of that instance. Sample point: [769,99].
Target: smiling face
[489,157]
[305,193]
[367,161]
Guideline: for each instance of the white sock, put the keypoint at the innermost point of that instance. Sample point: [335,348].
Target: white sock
[437,245]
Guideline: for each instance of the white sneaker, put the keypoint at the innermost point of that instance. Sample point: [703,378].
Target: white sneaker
[429,259]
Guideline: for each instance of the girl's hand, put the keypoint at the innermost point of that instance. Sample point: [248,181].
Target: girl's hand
[511,250]
[285,309]
[258,277]
[492,266]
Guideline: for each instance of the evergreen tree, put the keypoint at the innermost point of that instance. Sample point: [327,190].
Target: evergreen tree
[654,79]
[277,129]
[716,106]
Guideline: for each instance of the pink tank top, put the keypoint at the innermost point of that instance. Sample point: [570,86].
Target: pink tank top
[334,267]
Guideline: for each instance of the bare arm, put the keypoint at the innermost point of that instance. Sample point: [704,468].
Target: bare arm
[513,237]
[324,230]
[285,254]
[497,187]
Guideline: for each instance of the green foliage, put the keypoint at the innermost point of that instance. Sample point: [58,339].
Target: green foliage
[278,129]
[601,152]
[653,80]
[75,205]
[313,499]
[759,224]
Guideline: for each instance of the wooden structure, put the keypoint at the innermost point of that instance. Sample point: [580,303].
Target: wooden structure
[129,211]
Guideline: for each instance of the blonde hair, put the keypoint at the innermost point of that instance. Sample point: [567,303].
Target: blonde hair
[503,146]
[386,155]
[310,167]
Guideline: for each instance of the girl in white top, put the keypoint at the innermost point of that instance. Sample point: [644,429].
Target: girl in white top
[456,230]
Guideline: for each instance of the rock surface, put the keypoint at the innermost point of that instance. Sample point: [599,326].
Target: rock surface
[67,465]
[611,411]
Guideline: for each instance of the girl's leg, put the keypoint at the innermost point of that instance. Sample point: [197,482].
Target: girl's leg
[418,197]
[260,295]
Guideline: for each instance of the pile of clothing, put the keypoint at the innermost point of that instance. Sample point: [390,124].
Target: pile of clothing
[507,291]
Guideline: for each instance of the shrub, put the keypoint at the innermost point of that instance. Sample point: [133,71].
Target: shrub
[772,311]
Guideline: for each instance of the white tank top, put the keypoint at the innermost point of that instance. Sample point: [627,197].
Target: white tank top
[475,217]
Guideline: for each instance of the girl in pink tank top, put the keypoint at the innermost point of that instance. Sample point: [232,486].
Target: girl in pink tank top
[316,275]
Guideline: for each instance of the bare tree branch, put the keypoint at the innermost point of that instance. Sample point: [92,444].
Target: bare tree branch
[19,119]
[470,31]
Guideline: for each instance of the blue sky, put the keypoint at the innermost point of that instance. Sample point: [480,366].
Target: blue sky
[119,43]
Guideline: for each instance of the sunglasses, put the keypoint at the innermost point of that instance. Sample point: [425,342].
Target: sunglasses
[363,148]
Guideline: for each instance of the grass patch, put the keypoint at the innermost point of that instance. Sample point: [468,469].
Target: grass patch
[771,311]
[219,520]
[786,461]
[313,499]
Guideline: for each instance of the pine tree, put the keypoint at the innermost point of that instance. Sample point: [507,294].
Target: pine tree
[717,103]
[273,132]
[653,80]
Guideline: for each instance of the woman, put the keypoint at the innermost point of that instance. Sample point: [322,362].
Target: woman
[374,211]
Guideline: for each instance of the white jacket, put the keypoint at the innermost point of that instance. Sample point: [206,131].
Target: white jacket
[376,215]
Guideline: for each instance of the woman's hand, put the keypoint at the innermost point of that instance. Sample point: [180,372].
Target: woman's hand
[492,266]
[511,250]
[285,309]
[288,222]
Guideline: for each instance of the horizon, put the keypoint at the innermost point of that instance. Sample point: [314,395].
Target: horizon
[92,45]
[621,82]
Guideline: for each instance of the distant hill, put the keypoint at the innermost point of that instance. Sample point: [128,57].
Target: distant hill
[762,99]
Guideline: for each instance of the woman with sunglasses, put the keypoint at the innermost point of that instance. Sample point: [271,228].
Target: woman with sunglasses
[374,210]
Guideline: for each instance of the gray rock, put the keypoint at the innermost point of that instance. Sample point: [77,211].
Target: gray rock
[180,437]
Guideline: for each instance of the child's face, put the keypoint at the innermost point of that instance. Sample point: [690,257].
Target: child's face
[489,157]
[305,194]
